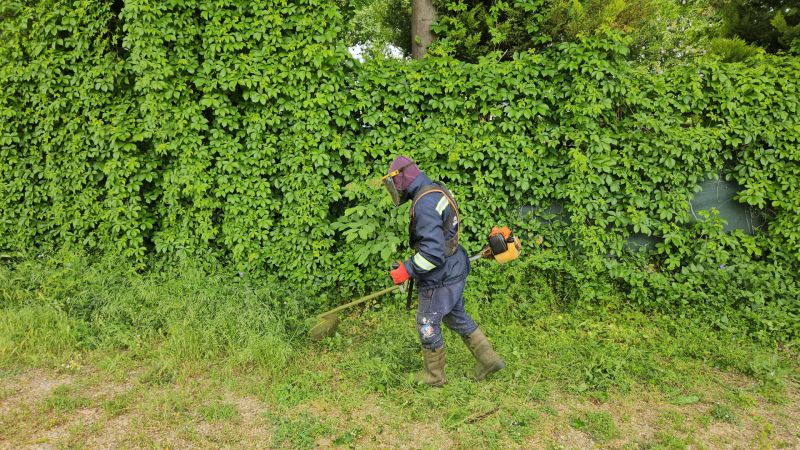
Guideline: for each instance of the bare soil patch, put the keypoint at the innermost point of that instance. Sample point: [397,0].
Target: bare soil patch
[29,387]
[641,419]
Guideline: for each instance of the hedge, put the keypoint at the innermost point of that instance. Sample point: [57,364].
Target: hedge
[244,132]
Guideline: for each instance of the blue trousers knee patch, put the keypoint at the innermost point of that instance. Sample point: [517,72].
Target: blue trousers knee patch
[429,329]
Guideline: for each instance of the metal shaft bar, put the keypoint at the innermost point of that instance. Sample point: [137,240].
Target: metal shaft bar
[361,300]
[379,293]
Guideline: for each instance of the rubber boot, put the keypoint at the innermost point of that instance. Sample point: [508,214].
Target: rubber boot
[432,372]
[487,360]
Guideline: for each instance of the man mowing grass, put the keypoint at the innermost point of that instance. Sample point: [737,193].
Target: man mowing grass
[439,267]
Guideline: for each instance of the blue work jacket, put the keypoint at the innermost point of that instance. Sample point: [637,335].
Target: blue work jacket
[429,266]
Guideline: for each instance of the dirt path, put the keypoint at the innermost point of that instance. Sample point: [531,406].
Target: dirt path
[41,409]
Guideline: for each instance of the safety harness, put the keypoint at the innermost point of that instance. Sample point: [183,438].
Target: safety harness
[450,245]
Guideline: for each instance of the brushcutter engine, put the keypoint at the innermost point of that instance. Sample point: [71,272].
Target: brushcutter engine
[503,246]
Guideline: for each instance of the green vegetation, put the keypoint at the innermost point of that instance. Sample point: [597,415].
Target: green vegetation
[75,306]
[219,412]
[205,168]
[723,413]
[250,145]
[599,425]
[378,23]
[662,32]
[126,356]
[62,400]
[771,24]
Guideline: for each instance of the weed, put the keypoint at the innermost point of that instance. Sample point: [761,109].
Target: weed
[666,441]
[549,410]
[219,412]
[63,399]
[686,400]
[599,425]
[6,392]
[521,423]
[118,404]
[455,417]
[298,387]
[166,406]
[181,338]
[348,437]
[299,432]
[159,373]
[37,335]
[723,413]
[537,393]
[739,398]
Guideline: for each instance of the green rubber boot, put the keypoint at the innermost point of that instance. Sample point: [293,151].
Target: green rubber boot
[487,360]
[432,372]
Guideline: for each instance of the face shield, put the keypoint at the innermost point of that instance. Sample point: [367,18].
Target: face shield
[399,196]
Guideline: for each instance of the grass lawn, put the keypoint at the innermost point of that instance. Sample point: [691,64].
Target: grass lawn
[617,381]
[92,360]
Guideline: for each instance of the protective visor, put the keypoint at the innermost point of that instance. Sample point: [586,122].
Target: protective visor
[398,195]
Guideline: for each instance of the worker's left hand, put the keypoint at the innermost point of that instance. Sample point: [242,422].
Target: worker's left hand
[399,273]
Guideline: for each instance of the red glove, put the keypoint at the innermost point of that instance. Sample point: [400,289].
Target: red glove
[399,274]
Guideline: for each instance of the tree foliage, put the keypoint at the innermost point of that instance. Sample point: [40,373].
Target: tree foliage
[377,24]
[660,30]
[770,24]
[733,49]
[469,29]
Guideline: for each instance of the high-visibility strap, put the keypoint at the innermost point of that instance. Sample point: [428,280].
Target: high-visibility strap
[442,204]
[423,262]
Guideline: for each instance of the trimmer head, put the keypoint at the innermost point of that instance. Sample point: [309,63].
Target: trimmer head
[328,321]
[325,327]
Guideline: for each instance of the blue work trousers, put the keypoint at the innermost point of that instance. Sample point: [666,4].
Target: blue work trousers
[442,304]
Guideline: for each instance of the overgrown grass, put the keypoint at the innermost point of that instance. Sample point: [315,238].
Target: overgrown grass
[211,333]
[56,307]
[37,333]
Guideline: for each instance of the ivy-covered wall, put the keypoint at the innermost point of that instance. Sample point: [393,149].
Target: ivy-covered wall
[242,131]
[623,150]
[178,128]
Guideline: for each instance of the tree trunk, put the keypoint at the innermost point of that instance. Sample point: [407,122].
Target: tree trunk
[422,16]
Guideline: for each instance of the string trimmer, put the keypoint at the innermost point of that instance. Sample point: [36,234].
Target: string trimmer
[503,247]
[329,320]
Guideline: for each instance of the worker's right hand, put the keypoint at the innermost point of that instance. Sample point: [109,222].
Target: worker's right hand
[399,273]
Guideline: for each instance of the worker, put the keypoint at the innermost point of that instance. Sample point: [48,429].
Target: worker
[439,267]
